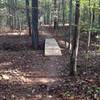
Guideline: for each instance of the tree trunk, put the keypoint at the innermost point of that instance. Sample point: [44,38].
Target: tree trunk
[99,14]
[93,16]
[55,15]
[10,20]
[16,14]
[70,24]
[28,16]
[89,33]
[48,13]
[63,8]
[59,8]
[35,24]
[45,10]
[75,42]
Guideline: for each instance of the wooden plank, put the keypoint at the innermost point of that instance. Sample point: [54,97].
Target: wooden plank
[52,48]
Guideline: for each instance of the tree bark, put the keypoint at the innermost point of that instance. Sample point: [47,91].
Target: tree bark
[35,24]
[99,14]
[55,15]
[90,26]
[93,18]
[28,16]
[75,42]
[70,24]
[63,8]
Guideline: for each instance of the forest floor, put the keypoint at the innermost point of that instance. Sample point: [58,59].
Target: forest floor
[26,74]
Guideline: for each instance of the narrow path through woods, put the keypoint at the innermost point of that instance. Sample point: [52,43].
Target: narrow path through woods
[27,74]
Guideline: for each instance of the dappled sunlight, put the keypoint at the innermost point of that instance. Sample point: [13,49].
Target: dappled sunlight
[5,64]
[46,97]
[24,78]
[17,33]
[45,33]
[45,80]
[15,75]
[5,76]
[13,33]
[12,75]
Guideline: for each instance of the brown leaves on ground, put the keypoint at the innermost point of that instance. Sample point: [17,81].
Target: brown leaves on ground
[29,75]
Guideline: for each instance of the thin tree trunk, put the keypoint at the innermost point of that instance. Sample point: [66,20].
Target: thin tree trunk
[75,42]
[99,14]
[55,16]
[70,24]
[89,33]
[16,14]
[63,8]
[48,13]
[10,13]
[93,16]
[28,16]
[59,8]
[13,14]
[45,14]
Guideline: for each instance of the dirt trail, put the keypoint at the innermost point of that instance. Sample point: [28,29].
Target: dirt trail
[26,74]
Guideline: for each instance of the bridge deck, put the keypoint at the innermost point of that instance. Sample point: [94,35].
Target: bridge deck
[52,48]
